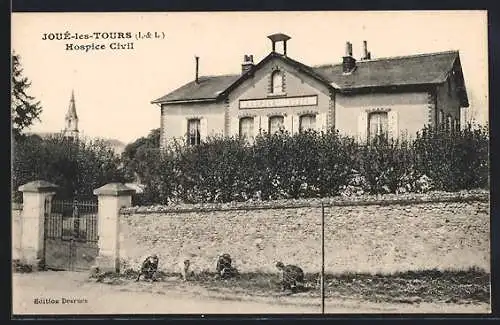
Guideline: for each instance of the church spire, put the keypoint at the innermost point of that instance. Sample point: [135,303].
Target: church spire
[71,126]
[72,107]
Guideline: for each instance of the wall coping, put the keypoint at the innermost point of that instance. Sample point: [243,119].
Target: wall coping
[114,189]
[38,186]
[363,200]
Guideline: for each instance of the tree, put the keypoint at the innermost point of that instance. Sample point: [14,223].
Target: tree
[134,154]
[24,109]
[82,165]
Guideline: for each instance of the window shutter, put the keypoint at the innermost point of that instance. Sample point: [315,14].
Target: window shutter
[362,126]
[203,128]
[264,124]
[321,122]
[287,123]
[234,129]
[256,126]
[392,124]
[295,124]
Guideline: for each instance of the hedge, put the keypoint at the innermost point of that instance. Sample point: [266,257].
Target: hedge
[313,164]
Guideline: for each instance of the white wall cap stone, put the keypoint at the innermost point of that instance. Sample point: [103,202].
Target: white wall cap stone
[114,189]
[38,186]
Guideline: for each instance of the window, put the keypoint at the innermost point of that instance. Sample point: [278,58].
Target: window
[193,132]
[275,124]
[377,124]
[307,122]
[246,128]
[277,82]
[449,122]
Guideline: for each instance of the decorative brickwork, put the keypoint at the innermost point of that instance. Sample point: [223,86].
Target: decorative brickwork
[163,142]
[227,117]
[246,114]
[283,76]
[431,104]
[307,112]
[330,118]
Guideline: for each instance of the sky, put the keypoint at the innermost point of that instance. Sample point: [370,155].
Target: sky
[114,88]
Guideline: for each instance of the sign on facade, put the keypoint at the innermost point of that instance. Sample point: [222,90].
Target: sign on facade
[279,102]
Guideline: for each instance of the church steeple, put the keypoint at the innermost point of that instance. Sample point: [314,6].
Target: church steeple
[71,125]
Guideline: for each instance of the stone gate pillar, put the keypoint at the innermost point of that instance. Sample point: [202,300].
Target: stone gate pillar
[37,199]
[112,197]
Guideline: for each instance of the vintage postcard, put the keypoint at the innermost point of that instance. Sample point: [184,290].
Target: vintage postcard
[250,162]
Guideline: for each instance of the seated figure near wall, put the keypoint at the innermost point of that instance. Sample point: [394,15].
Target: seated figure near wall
[291,277]
[149,268]
[224,267]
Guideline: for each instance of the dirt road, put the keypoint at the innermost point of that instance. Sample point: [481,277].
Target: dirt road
[72,293]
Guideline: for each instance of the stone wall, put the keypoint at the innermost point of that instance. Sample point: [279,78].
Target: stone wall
[379,236]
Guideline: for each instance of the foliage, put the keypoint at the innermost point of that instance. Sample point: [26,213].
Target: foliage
[24,109]
[135,152]
[312,164]
[77,167]
[274,166]
[384,163]
[454,159]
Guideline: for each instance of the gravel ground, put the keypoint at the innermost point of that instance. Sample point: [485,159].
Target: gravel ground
[170,296]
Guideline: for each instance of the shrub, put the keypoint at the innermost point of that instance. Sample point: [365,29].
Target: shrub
[385,163]
[453,159]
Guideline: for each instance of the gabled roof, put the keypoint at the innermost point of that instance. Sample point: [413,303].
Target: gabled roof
[421,69]
[430,68]
[207,88]
[211,88]
[299,66]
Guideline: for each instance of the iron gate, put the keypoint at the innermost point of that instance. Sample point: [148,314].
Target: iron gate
[71,238]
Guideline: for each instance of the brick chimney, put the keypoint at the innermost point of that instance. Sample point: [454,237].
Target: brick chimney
[348,62]
[366,55]
[247,63]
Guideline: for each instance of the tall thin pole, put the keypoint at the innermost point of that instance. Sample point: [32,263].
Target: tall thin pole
[196,73]
[322,258]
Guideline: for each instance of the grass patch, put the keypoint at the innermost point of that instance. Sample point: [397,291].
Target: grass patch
[19,267]
[451,286]
[448,286]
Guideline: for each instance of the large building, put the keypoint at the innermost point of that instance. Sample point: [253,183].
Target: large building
[397,96]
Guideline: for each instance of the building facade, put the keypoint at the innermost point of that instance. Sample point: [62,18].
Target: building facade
[395,96]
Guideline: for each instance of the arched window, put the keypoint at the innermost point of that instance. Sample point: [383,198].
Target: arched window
[307,122]
[193,136]
[246,128]
[377,124]
[277,82]
[275,123]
